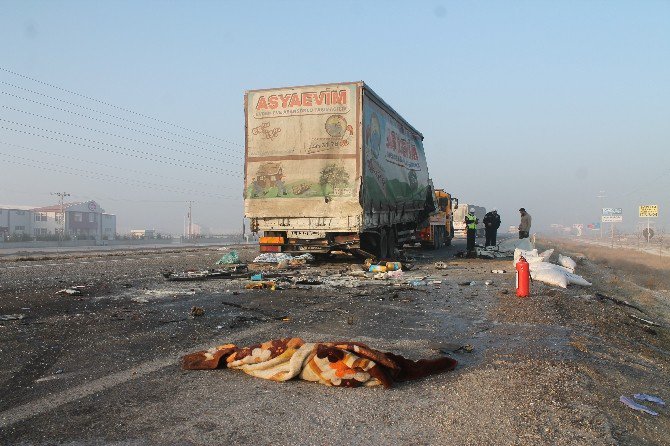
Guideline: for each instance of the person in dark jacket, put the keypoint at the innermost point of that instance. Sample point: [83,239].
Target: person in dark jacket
[491,225]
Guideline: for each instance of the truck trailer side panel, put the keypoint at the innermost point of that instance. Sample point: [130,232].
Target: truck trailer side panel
[395,183]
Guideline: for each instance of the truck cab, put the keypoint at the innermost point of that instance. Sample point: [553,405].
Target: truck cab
[439,229]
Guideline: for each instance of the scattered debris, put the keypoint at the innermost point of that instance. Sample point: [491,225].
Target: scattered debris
[377,268]
[498,271]
[11,317]
[261,285]
[635,406]
[230,258]
[235,271]
[455,348]
[441,265]
[197,311]
[257,277]
[650,398]
[488,282]
[278,257]
[72,291]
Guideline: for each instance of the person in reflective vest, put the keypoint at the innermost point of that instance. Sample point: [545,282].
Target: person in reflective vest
[471,225]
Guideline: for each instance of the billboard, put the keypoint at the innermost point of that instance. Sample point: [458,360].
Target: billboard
[649,210]
[612,218]
[612,211]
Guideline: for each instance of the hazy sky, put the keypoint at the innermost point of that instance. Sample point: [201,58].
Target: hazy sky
[522,103]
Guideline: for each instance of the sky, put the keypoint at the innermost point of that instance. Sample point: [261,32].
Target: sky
[139,104]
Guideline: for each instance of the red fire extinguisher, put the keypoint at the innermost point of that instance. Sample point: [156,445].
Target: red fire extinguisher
[522,277]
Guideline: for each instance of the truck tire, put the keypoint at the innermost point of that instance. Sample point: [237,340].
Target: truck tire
[374,243]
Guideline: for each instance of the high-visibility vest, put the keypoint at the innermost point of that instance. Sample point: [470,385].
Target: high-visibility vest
[472,221]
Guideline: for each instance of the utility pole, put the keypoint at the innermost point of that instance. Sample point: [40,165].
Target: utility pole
[601,195]
[61,196]
[190,220]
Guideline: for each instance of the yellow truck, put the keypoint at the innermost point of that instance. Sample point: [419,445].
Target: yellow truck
[438,230]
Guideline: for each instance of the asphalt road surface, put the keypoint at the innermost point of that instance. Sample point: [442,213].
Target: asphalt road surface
[103,367]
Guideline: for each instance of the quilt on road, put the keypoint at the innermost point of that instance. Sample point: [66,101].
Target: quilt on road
[341,364]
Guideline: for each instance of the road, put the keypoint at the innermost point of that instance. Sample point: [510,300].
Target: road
[103,367]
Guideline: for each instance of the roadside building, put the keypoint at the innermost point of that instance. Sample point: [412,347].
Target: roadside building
[143,233]
[15,221]
[78,220]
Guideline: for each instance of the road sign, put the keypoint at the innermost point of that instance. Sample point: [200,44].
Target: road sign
[612,218]
[649,210]
[612,211]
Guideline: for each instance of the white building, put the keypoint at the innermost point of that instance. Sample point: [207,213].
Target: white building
[83,220]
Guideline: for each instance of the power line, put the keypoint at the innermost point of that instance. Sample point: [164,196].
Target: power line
[114,145]
[121,136]
[140,172]
[158,158]
[110,123]
[105,177]
[117,107]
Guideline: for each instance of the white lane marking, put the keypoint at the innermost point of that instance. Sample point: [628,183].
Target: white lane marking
[39,406]
[42,405]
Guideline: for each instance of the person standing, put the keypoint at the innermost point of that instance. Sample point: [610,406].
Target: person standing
[524,226]
[491,225]
[471,226]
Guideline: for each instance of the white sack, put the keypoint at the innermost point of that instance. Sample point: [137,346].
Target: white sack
[567,262]
[546,254]
[550,276]
[576,279]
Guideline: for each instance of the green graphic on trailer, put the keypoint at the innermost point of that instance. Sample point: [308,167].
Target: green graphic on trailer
[395,162]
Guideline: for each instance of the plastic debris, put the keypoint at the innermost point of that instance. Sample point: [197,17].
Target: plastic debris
[418,283]
[397,274]
[488,282]
[11,317]
[257,277]
[393,266]
[650,398]
[635,406]
[377,268]
[440,265]
[498,271]
[230,258]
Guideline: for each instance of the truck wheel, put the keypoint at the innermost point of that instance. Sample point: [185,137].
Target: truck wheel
[374,243]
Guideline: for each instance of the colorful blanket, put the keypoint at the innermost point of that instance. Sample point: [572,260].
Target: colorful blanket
[341,364]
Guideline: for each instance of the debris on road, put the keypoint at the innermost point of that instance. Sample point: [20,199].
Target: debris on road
[11,317]
[635,406]
[650,398]
[233,271]
[197,311]
[333,364]
[498,271]
[72,291]
[440,265]
[261,285]
[230,258]
[279,257]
